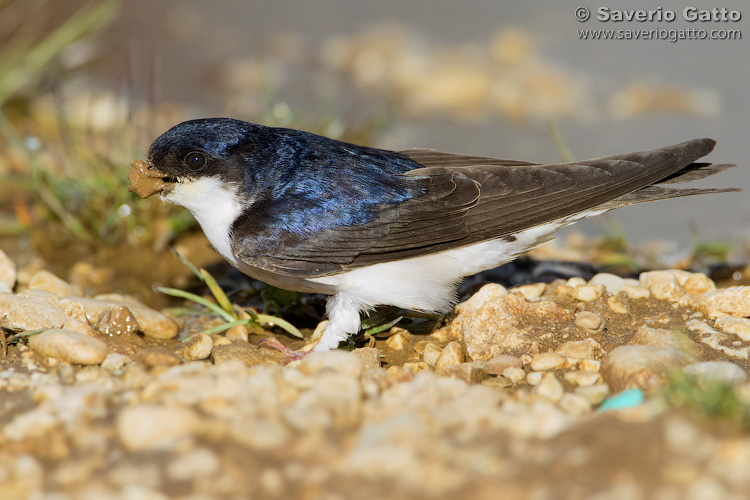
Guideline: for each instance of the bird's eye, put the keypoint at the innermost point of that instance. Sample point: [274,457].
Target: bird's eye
[195,161]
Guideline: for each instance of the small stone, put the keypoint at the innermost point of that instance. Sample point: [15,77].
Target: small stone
[453,354]
[510,325]
[723,372]
[514,374]
[471,372]
[736,326]
[221,340]
[342,362]
[550,388]
[589,321]
[642,366]
[370,357]
[451,332]
[79,326]
[69,346]
[115,361]
[416,366]
[485,295]
[431,353]
[148,427]
[665,338]
[547,361]
[117,320]
[399,340]
[590,365]
[74,310]
[156,356]
[531,292]
[667,285]
[583,378]
[248,354]
[496,365]
[594,394]
[533,378]
[698,284]
[198,347]
[733,301]
[238,333]
[579,349]
[575,282]
[611,282]
[619,303]
[574,404]
[30,310]
[8,271]
[635,292]
[717,340]
[587,293]
[45,280]
[152,323]
[197,463]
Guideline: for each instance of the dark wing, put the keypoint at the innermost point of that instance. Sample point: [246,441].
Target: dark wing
[467,200]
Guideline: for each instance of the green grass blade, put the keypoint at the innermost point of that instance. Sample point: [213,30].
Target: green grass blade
[218,293]
[381,328]
[187,263]
[174,292]
[281,323]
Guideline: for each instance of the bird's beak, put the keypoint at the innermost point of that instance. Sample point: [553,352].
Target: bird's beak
[145,181]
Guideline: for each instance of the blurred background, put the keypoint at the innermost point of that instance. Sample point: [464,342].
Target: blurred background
[85,86]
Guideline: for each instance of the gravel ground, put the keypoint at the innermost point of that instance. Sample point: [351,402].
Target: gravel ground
[607,388]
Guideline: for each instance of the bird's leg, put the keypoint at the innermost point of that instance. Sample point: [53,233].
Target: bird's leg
[343,321]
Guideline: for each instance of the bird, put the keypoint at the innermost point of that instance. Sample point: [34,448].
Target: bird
[372,227]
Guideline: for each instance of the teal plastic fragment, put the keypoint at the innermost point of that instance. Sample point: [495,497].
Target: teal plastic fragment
[625,399]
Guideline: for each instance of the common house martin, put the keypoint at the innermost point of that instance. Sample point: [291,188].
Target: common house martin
[376,227]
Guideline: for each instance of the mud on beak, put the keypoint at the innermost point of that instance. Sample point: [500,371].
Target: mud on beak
[145,181]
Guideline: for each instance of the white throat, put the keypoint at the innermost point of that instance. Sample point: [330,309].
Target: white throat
[215,205]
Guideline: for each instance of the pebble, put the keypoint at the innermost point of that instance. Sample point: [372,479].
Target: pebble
[238,333]
[619,303]
[590,365]
[717,340]
[509,325]
[550,388]
[533,378]
[642,366]
[589,321]
[531,292]
[259,434]
[611,282]
[488,293]
[594,394]
[248,354]
[197,463]
[667,285]
[30,310]
[574,404]
[736,326]
[151,427]
[198,347]
[733,301]
[45,280]
[665,338]
[152,323]
[416,366]
[156,356]
[8,272]
[452,354]
[80,326]
[496,365]
[587,293]
[514,374]
[399,340]
[369,356]
[115,361]
[69,346]
[723,372]
[431,353]
[117,320]
[579,349]
[583,378]
[635,292]
[342,362]
[547,361]
[575,282]
[471,372]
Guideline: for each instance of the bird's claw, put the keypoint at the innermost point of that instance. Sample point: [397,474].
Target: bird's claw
[289,353]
